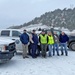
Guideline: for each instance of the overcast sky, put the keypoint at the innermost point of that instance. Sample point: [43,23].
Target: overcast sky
[16,12]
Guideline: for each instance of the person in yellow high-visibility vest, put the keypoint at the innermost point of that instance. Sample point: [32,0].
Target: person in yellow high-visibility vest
[43,43]
[50,43]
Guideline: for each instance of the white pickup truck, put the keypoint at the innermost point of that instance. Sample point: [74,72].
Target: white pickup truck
[13,34]
[7,49]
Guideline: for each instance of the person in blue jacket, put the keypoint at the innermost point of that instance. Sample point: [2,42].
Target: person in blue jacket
[33,43]
[63,38]
[24,39]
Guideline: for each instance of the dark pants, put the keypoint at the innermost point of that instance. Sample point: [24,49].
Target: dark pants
[38,51]
[43,49]
[33,48]
[30,50]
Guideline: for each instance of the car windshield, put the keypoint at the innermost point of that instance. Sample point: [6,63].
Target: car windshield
[54,31]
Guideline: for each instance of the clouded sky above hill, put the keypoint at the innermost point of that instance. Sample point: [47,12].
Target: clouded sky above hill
[16,12]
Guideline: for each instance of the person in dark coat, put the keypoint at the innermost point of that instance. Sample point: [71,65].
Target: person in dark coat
[63,38]
[33,43]
[24,39]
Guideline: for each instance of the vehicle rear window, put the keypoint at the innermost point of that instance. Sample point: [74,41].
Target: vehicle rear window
[5,33]
[16,33]
[57,31]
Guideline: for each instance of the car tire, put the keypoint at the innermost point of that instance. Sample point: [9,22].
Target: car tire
[72,46]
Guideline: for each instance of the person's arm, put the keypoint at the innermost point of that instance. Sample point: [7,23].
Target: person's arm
[31,39]
[39,39]
[47,39]
[21,38]
[28,38]
[59,37]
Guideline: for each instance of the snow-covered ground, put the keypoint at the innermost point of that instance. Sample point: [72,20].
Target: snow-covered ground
[56,65]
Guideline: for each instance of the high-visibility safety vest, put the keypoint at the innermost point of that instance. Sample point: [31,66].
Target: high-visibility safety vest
[50,40]
[43,39]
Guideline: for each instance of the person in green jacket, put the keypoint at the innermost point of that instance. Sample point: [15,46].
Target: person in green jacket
[43,43]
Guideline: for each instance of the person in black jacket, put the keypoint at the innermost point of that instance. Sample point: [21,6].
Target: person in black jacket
[63,38]
[33,43]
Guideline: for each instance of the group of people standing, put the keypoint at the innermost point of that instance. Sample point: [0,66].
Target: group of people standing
[48,41]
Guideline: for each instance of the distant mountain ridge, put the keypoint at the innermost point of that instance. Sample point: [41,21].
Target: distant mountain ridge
[57,18]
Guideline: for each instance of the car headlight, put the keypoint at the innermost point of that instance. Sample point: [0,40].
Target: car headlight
[3,48]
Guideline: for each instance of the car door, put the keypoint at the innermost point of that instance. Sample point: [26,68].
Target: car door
[16,37]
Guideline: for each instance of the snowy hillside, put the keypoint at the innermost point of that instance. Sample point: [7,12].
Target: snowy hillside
[36,27]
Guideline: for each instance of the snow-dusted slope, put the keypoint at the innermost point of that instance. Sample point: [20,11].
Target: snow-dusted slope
[36,27]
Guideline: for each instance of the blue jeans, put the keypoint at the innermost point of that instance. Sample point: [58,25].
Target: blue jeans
[64,47]
[56,47]
[50,47]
